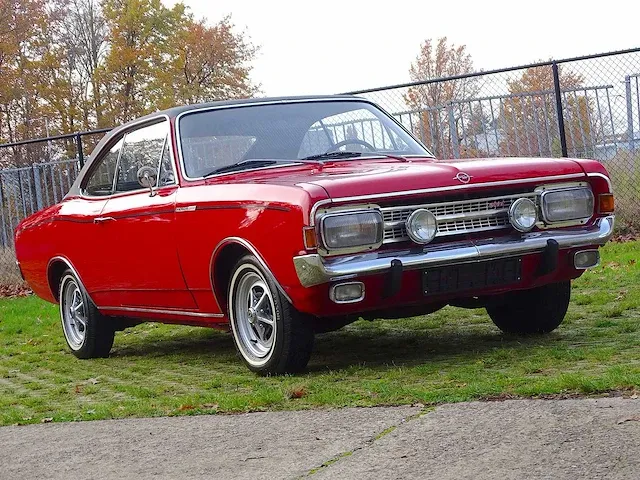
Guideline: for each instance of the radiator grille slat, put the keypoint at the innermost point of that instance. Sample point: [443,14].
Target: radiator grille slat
[454,218]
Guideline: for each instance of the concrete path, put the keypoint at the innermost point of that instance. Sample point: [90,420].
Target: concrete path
[595,438]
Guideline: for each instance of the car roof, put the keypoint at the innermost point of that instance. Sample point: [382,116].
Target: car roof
[173,112]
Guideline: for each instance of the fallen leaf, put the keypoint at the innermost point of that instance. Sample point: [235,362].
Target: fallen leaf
[210,406]
[297,393]
[91,412]
[46,420]
[186,407]
[78,389]
[93,381]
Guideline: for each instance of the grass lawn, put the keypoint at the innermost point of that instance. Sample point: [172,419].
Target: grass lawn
[449,356]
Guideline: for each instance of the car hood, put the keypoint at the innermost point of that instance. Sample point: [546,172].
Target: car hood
[379,177]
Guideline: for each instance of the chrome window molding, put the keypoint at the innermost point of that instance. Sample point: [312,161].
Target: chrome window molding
[268,102]
[121,133]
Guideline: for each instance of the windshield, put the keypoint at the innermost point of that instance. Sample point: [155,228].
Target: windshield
[252,135]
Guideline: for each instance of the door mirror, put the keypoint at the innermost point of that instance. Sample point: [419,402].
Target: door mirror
[148,178]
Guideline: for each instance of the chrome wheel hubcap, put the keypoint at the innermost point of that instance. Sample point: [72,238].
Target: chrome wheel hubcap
[254,317]
[74,315]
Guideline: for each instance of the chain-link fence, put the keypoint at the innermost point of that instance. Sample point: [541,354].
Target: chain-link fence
[35,174]
[586,107]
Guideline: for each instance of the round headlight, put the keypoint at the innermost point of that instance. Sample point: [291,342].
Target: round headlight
[422,226]
[523,215]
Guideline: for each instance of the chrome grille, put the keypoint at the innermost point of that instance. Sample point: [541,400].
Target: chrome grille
[466,216]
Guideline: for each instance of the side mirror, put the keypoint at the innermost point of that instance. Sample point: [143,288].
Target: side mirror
[148,178]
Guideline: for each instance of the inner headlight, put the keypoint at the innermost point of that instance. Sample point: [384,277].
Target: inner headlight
[352,229]
[422,226]
[567,205]
[523,215]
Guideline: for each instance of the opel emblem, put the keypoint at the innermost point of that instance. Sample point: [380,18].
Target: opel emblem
[463,177]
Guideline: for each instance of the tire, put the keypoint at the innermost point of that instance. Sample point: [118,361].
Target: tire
[536,311]
[270,335]
[88,333]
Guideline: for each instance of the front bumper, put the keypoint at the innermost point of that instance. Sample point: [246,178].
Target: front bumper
[313,269]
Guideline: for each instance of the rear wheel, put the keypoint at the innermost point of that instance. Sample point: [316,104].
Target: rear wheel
[87,332]
[539,310]
[270,335]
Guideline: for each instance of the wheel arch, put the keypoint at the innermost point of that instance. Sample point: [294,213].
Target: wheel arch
[55,270]
[224,257]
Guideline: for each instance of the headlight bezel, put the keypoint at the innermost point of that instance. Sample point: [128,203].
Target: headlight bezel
[322,216]
[546,190]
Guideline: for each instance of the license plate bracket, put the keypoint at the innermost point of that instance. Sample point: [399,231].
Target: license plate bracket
[471,276]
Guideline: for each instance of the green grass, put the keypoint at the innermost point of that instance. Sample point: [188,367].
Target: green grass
[452,355]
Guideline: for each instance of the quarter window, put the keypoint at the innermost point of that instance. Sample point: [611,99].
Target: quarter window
[142,147]
[100,181]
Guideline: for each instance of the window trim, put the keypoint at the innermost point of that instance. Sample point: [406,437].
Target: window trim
[120,134]
[181,163]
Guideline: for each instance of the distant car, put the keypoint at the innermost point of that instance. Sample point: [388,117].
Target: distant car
[280,218]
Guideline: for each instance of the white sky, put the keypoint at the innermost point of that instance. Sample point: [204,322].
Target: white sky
[333,46]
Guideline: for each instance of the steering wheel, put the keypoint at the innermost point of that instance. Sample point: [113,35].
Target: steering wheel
[352,141]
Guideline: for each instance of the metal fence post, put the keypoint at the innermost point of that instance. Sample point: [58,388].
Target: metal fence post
[3,227]
[558,93]
[630,139]
[79,149]
[453,132]
[37,186]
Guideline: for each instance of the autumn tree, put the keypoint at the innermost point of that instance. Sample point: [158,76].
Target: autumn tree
[70,65]
[528,120]
[432,101]
[213,63]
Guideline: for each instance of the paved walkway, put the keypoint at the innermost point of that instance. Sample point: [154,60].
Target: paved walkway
[594,438]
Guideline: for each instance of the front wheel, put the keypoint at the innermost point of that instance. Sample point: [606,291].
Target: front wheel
[538,310]
[270,335]
[87,332]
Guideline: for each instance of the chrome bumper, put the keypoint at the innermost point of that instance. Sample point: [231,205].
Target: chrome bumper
[314,270]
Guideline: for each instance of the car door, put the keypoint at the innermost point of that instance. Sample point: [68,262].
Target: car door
[81,242]
[140,260]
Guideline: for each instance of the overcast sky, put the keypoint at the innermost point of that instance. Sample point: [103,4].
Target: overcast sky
[333,46]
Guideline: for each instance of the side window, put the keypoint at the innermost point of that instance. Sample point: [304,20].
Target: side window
[100,180]
[142,147]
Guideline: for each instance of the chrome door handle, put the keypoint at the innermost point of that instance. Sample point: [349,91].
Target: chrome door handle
[103,219]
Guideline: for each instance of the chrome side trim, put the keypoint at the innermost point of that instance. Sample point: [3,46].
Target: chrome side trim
[164,312]
[608,180]
[313,270]
[379,196]
[254,252]
[70,266]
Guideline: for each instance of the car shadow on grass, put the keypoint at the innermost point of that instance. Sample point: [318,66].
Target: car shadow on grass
[352,346]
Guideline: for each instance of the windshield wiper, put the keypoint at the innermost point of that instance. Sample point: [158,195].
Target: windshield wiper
[256,163]
[331,155]
[339,154]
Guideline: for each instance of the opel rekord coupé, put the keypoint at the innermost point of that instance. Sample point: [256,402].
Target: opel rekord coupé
[281,218]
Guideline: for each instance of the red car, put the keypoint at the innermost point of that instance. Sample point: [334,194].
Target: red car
[281,218]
